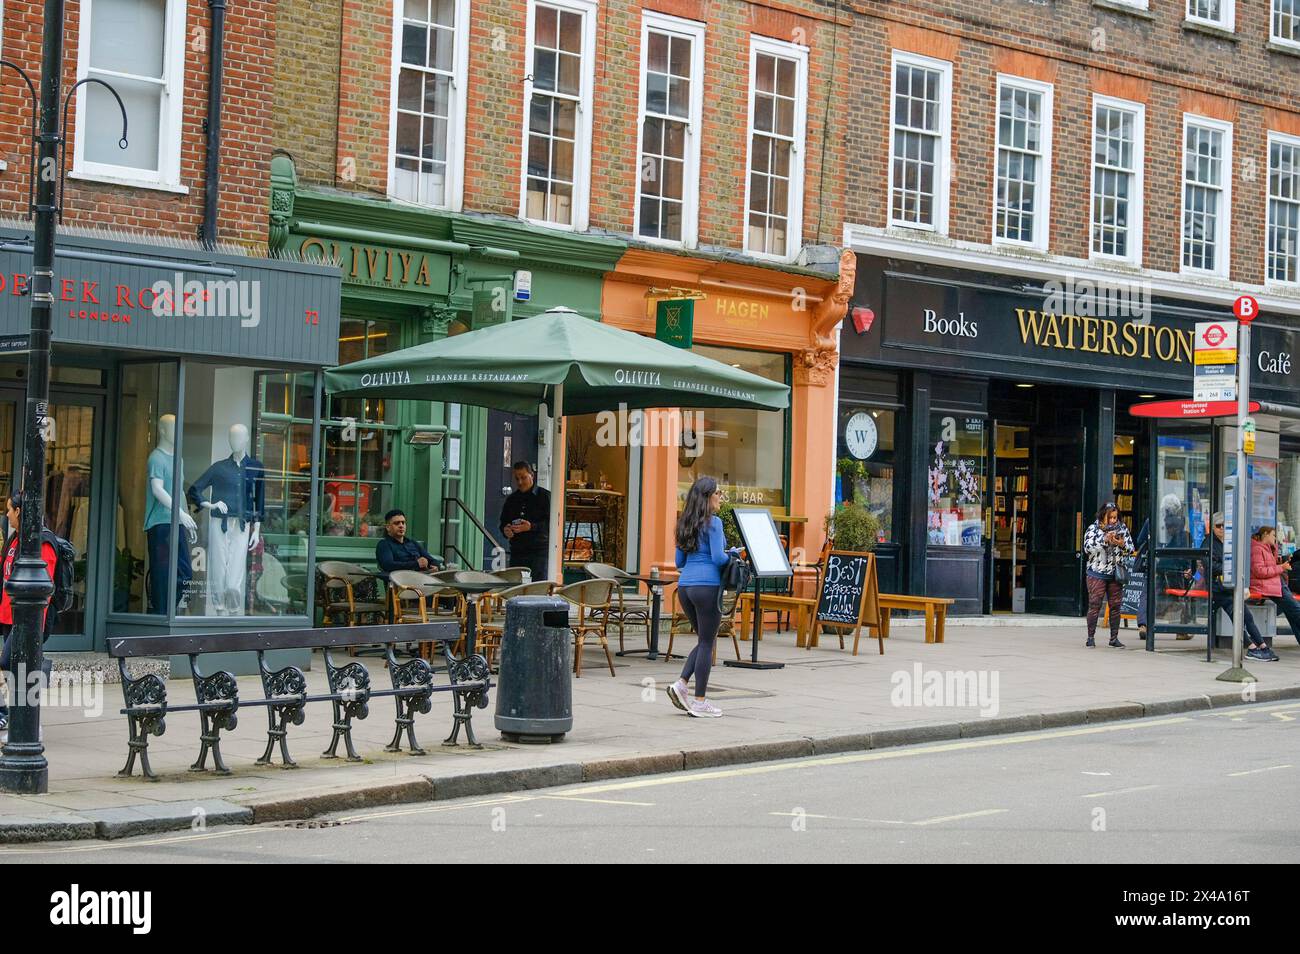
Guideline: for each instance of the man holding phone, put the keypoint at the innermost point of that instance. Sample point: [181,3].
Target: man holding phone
[526,521]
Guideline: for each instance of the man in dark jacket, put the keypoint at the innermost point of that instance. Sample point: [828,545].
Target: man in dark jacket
[526,522]
[397,551]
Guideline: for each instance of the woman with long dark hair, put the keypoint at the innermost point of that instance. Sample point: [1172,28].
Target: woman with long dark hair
[701,554]
[1106,543]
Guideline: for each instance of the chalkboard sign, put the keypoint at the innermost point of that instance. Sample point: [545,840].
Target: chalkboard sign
[850,593]
[1134,600]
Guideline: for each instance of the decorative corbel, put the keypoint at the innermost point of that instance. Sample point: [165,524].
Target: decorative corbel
[816,365]
[284,185]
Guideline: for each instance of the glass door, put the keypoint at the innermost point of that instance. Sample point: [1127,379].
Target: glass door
[1183,505]
[1056,522]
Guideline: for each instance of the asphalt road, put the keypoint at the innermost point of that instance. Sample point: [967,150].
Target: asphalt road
[1210,788]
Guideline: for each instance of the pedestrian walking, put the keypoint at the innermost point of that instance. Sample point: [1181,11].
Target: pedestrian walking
[1221,596]
[13,513]
[1269,577]
[701,555]
[1108,545]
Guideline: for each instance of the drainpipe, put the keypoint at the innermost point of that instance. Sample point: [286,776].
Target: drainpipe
[212,125]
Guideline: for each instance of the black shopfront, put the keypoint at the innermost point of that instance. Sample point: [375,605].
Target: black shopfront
[996,415]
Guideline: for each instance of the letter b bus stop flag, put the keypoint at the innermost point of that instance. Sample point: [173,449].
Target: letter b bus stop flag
[1215,361]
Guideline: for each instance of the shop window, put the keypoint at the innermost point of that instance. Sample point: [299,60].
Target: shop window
[744,450]
[245,561]
[1207,195]
[918,168]
[1219,13]
[561,37]
[1117,146]
[146,487]
[1288,497]
[777,101]
[864,469]
[1184,505]
[1024,162]
[956,481]
[137,46]
[1283,208]
[282,436]
[672,66]
[359,438]
[428,110]
[1286,22]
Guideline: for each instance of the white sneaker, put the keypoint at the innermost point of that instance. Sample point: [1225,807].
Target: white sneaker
[678,695]
[704,709]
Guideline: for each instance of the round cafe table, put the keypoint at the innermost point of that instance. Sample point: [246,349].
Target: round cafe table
[472,589]
[655,584]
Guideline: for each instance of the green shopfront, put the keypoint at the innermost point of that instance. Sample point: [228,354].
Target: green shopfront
[409,275]
[179,377]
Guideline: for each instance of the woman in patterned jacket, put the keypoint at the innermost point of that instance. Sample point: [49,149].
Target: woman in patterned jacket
[1106,543]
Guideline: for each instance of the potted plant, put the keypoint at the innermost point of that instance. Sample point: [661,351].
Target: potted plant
[853,528]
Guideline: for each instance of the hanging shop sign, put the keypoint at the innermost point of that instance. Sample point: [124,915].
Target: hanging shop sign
[675,322]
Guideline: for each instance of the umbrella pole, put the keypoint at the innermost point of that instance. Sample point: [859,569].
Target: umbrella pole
[557,486]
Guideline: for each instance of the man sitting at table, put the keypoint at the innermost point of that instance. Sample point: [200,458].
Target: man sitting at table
[396,551]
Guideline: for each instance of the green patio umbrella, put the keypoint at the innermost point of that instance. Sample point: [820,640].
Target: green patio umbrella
[572,364]
[557,356]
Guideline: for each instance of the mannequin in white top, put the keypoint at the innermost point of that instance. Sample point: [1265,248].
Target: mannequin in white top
[158,516]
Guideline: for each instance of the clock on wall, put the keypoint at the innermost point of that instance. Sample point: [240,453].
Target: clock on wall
[861,436]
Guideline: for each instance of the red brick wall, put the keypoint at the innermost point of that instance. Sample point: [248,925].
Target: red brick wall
[493,137]
[246,127]
[1082,49]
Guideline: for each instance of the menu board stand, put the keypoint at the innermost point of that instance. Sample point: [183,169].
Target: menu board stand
[769,561]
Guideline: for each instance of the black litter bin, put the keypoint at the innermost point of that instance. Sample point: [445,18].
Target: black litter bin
[534,689]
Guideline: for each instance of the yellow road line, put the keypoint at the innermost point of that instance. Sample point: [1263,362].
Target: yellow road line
[1271,768]
[1121,791]
[176,839]
[598,801]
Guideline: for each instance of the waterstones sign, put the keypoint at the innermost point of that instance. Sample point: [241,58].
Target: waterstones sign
[967,323]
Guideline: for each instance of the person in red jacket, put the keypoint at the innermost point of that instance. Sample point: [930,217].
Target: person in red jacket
[1269,576]
[13,512]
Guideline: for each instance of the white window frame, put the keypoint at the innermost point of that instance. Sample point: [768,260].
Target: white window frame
[1294,42]
[1228,21]
[1223,223]
[663,23]
[1137,210]
[943,169]
[1294,142]
[455,190]
[794,221]
[168,176]
[588,9]
[1043,190]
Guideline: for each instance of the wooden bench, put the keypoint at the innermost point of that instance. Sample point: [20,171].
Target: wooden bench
[285,690]
[935,608]
[803,608]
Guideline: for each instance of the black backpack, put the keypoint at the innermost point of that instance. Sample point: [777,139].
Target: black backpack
[64,574]
[736,575]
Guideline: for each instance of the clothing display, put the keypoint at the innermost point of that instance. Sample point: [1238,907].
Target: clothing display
[239,484]
[227,565]
[159,542]
[159,467]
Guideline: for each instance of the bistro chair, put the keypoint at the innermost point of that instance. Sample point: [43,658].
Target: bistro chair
[492,616]
[515,575]
[626,608]
[727,627]
[272,586]
[591,599]
[411,591]
[339,582]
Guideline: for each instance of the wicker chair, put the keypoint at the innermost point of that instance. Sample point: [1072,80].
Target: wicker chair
[515,575]
[591,599]
[339,582]
[626,608]
[682,623]
[492,615]
[410,591]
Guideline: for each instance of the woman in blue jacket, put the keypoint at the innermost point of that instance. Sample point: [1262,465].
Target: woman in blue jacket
[701,555]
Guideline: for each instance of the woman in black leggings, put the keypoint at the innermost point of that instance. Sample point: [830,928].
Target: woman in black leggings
[701,554]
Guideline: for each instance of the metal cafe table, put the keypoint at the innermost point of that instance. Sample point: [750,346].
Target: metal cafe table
[472,584]
[655,584]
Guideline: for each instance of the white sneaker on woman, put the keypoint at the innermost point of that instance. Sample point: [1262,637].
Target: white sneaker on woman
[703,709]
[679,695]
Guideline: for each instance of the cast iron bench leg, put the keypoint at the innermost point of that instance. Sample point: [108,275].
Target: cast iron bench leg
[219,687]
[474,669]
[148,690]
[350,684]
[415,673]
[278,684]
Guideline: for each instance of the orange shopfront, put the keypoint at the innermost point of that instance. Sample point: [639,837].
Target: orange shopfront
[775,321]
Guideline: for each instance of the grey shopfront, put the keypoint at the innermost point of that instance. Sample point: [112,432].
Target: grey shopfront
[175,462]
[1001,423]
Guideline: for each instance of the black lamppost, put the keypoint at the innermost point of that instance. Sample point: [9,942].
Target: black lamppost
[23,768]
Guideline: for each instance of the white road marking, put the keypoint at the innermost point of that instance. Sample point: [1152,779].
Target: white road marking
[1122,791]
[1271,768]
[896,821]
[1283,716]
[1096,773]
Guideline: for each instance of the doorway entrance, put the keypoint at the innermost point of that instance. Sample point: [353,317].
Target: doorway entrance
[510,438]
[73,475]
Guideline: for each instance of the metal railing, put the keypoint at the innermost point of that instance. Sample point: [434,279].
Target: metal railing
[449,546]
